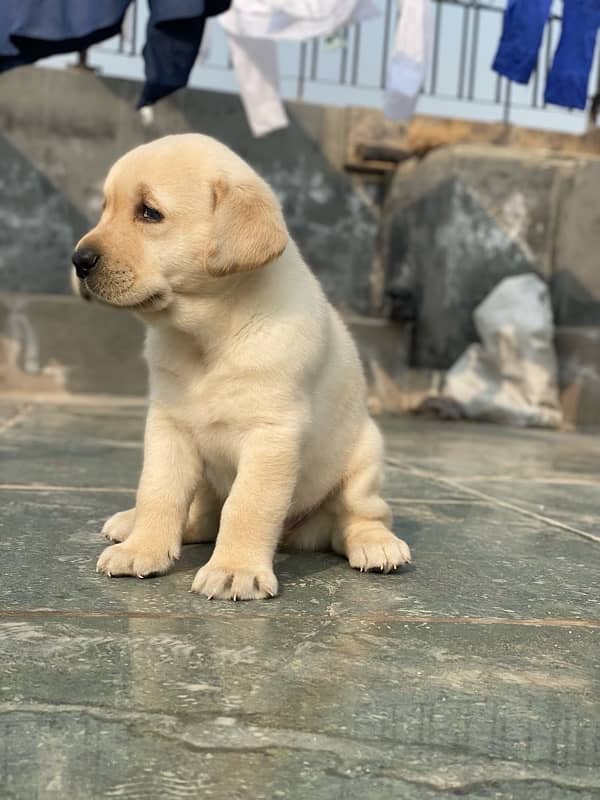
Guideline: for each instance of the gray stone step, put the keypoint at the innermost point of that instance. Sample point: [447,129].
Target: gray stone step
[578,350]
[58,344]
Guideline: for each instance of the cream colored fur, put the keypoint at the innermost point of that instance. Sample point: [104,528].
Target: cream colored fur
[257,432]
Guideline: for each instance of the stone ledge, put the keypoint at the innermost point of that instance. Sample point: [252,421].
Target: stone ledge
[58,345]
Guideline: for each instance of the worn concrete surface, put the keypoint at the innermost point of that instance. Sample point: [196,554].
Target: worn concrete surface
[474,673]
[63,345]
[458,222]
[60,132]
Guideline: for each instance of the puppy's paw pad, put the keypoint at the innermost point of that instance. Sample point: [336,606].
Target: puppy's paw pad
[118,527]
[122,559]
[223,583]
[377,550]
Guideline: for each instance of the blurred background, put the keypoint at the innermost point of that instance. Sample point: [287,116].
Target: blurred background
[414,176]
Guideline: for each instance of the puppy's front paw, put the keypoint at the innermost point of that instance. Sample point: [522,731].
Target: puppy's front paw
[377,549]
[220,582]
[130,558]
[118,527]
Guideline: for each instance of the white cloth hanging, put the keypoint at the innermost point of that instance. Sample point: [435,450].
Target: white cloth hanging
[408,65]
[257,70]
[253,28]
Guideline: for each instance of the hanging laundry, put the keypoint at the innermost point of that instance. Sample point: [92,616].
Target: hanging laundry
[253,28]
[294,19]
[257,69]
[30,30]
[407,68]
[173,39]
[569,77]
[522,32]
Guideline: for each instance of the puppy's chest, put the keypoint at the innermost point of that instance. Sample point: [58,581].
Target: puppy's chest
[213,406]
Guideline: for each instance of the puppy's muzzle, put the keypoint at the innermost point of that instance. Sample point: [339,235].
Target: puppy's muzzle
[84,260]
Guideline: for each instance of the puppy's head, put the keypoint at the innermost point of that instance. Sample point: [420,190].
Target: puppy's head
[179,213]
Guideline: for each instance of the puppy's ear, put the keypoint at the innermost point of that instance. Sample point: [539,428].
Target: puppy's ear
[248,227]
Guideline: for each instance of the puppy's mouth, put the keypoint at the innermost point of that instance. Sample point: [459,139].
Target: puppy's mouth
[150,303]
[156,301]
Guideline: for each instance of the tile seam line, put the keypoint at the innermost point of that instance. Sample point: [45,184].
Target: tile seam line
[80,400]
[419,473]
[7,614]
[47,487]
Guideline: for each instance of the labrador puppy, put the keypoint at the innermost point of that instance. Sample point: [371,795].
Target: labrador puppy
[257,432]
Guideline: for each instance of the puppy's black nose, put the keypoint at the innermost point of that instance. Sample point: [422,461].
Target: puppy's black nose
[84,260]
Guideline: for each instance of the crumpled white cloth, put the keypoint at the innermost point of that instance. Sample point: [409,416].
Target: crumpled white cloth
[512,376]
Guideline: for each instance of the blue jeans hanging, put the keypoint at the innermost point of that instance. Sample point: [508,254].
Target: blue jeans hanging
[522,32]
[569,77]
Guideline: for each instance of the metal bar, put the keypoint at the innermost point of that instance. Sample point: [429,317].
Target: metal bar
[548,54]
[472,4]
[344,56]
[301,67]
[536,82]
[506,111]
[436,46]
[355,54]
[314,61]
[498,93]
[134,27]
[474,44]
[386,43]
[592,115]
[464,35]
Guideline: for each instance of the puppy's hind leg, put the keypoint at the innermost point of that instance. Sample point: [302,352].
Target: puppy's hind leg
[362,531]
[118,527]
[203,520]
[314,533]
[202,524]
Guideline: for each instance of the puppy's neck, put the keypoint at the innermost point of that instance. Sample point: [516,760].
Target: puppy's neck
[208,316]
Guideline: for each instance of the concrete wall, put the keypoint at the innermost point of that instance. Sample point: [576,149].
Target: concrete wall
[61,131]
[433,235]
[467,216]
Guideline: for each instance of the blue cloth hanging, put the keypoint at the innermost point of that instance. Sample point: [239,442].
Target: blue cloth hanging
[569,77]
[522,32]
[173,39]
[34,29]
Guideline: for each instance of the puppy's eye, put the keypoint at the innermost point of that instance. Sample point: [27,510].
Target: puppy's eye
[150,214]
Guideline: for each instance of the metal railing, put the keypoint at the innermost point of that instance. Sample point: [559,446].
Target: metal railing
[351,67]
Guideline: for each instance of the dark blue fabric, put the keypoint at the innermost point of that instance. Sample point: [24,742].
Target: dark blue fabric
[522,32]
[34,29]
[569,77]
[175,29]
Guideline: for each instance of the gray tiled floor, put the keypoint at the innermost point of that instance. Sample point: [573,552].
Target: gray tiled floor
[473,673]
